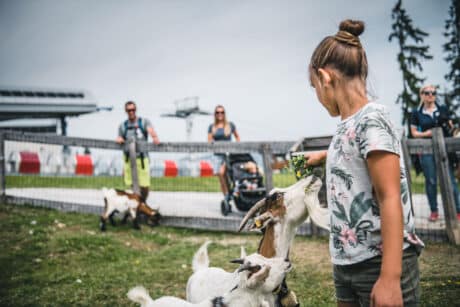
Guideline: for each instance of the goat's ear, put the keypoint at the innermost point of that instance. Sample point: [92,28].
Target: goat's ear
[242,252]
[237,260]
[258,278]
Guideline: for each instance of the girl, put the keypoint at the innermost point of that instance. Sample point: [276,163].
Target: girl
[372,241]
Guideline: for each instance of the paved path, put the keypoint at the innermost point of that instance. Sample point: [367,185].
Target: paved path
[192,204]
[185,207]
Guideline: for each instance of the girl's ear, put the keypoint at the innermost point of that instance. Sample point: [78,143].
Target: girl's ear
[325,77]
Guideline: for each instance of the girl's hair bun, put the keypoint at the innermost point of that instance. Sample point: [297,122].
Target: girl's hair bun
[355,27]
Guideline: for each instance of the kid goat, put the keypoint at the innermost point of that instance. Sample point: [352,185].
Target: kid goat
[279,216]
[127,204]
[256,277]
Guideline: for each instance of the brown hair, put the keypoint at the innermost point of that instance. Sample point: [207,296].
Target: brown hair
[227,129]
[129,102]
[342,51]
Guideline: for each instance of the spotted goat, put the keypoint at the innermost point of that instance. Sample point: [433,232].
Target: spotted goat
[127,204]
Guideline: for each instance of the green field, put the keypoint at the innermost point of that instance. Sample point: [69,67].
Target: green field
[186,184]
[51,258]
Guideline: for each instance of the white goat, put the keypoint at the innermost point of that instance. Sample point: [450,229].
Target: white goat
[127,204]
[281,214]
[256,277]
[202,271]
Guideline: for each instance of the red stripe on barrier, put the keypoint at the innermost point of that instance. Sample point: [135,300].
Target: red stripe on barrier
[171,169]
[84,165]
[206,169]
[29,163]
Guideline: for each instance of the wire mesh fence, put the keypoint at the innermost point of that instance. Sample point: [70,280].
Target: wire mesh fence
[69,174]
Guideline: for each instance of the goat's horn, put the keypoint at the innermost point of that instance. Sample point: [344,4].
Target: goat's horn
[237,260]
[249,267]
[251,212]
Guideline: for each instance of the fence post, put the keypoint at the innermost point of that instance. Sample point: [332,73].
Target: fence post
[267,157]
[132,159]
[447,193]
[407,165]
[2,169]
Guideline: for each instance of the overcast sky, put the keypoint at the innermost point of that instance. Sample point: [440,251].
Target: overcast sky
[250,56]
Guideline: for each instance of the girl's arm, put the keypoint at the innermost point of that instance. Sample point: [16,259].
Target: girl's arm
[210,139]
[384,171]
[316,157]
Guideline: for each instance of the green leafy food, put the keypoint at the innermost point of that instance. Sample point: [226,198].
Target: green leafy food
[299,165]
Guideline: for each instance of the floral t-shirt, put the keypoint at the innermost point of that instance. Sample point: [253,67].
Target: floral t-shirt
[355,217]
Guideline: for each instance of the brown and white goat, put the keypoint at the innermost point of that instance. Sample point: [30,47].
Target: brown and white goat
[278,216]
[129,205]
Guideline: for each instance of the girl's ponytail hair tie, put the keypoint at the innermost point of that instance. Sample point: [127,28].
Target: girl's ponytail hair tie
[347,38]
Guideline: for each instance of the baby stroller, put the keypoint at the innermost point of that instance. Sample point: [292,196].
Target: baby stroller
[244,182]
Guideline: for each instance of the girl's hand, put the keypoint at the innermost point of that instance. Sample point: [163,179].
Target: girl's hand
[315,157]
[387,292]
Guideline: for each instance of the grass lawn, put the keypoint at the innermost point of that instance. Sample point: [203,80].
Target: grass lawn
[56,259]
[197,184]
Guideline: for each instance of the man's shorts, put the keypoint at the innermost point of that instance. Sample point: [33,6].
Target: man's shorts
[354,283]
[142,173]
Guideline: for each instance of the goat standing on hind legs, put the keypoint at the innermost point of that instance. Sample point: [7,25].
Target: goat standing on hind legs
[278,216]
[128,204]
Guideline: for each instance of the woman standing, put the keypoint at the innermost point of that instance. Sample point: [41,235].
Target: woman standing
[372,241]
[426,117]
[222,130]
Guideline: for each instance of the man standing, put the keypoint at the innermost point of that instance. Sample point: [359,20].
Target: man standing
[138,128]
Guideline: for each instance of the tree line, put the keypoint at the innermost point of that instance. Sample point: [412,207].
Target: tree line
[412,51]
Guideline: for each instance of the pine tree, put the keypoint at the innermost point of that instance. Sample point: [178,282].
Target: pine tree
[411,51]
[452,50]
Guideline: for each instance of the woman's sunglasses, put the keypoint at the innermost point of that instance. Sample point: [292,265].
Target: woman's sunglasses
[427,93]
[219,112]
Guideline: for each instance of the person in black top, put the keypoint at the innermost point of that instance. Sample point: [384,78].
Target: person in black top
[427,116]
[222,130]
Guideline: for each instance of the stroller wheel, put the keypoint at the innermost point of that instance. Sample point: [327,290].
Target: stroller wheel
[225,207]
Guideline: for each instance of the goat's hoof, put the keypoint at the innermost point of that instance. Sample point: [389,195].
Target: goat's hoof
[102,227]
[124,220]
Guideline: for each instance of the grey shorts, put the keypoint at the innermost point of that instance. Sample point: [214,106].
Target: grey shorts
[353,283]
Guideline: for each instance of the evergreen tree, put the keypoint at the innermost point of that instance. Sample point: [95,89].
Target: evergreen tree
[452,50]
[411,51]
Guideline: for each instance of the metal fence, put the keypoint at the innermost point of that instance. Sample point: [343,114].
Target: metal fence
[68,173]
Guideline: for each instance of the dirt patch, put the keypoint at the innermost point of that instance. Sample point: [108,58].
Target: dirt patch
[3,215]
[134,243]
[440,259]
[314,254]
[141,246]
